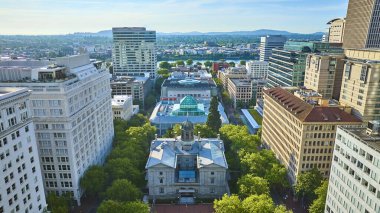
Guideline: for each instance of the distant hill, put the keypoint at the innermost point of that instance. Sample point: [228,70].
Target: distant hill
[261,32]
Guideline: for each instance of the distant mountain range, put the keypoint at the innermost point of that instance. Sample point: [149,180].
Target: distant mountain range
[261,32]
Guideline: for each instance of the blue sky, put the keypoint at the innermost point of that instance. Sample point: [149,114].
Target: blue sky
[68,16]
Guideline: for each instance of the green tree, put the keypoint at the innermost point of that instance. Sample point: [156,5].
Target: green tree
[180,63]
[228,204]
[277,176]
[94,181]
[243,63]
[318,204]
[163,71]
[165,65]
[258,204]
[189,62]
[213,119]
[175,131]
[150,101]
[123,190]
[232,64]
[308,182]
[205,131]
[249,185]
[207,63]
[123,168]
[58,204]
[282,209]
[199,63]
[111,206]
[264,164]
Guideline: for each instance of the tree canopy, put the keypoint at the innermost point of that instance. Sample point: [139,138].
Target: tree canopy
[307,183]
[123,190]
[207,63]
[94,180]
[213,120]
[318,204]
[165,65]
[111,206]
[249,185]
[189,62]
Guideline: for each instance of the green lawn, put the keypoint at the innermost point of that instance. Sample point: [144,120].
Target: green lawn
[256,116]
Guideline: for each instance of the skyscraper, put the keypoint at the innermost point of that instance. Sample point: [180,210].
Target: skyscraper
[21,181]
[134,52]
[354,184]
[72,115]
[362,24]
[268,43]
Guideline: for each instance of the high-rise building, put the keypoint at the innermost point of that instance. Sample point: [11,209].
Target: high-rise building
[324,73]
[336,30]
[287,65]
[72,115]
[354,180]
[257,69]
[362,25]
[22,188]
[267,43]
[134,52]
[301,131]
[360,87]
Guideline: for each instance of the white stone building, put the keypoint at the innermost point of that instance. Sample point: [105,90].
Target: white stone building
[72,114]
[21,185]
[123,108]
[257,69]
[187,167]
[354,184]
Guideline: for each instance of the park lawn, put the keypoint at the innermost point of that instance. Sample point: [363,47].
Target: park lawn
[256,116]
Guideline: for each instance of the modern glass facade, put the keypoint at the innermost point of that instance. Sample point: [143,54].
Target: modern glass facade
[287,66]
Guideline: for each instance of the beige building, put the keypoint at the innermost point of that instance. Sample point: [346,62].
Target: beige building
[323,74]
[362,24]
[300,134]
[231,72]
[360,86]
[336,30]
[240,91]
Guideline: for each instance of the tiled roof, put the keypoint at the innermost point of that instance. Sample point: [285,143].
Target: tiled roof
[306,112]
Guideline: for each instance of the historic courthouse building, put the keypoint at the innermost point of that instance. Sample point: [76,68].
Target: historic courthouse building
[187,166]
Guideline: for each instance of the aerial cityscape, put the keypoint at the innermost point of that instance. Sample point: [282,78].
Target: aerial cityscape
[204,106]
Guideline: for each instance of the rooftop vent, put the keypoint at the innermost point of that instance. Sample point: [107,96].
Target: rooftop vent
[373,128]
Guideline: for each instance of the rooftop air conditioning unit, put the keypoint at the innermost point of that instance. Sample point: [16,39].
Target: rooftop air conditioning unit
[373,128]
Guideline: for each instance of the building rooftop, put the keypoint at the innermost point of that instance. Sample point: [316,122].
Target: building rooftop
[6,92]
[119,100]
[306,112]
[241,82]
[209,151]
[189,83]
[360,133]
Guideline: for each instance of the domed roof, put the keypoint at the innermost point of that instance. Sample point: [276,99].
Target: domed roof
[187,125]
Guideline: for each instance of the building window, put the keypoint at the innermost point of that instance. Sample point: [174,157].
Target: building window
[162,190]
[161,180]
[363,73]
